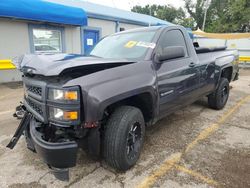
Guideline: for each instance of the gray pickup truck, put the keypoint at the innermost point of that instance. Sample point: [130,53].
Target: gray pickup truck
[103,102]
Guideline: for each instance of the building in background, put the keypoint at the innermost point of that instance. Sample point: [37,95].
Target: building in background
[59,26]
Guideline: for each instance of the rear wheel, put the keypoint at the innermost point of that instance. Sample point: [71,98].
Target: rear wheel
[218,99]
[123,137]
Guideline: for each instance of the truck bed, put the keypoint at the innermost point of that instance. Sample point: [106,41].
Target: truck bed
[212,56]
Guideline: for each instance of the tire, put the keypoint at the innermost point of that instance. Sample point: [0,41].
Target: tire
[124,137]
[218,99]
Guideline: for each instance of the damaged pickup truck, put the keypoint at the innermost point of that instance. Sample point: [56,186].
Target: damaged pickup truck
[104,101]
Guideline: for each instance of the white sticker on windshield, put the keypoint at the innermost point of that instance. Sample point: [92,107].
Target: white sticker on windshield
[146,44]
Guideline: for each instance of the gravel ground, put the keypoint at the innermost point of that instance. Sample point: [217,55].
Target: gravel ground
[194,147]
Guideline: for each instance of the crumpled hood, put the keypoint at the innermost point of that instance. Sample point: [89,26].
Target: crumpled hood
[54,64]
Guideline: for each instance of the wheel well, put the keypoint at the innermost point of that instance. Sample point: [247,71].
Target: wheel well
[142,101]
[227,73]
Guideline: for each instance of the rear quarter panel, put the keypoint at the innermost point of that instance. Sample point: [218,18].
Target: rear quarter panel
[213,63]
[228,60]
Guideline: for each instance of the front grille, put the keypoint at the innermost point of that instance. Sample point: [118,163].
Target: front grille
[34,97]
[35,89]
[34,106]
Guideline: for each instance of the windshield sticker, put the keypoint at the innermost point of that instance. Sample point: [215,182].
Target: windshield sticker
[130,44]
[146,44]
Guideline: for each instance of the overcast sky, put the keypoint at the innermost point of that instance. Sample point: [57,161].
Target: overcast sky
[128,4]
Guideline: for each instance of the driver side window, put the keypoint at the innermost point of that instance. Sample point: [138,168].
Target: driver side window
[172,38]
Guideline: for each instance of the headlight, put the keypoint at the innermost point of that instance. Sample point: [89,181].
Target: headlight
[59,114]
[63,95]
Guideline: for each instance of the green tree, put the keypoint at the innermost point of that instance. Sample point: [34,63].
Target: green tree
[196,11]
[188,22]
[233,17]
[222,15]
[166,12]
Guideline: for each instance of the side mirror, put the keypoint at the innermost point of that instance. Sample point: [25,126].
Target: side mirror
[171,52]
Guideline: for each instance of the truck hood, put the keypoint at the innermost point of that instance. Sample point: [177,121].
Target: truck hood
[55,64]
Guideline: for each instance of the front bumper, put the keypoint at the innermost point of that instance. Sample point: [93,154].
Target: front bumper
[55,154]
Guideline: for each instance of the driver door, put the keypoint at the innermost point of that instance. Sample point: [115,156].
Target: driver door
[177,78]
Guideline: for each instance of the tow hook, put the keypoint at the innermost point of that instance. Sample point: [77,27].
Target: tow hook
[20,111]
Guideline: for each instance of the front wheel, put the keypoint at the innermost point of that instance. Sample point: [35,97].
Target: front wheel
[218,99]
[123,137]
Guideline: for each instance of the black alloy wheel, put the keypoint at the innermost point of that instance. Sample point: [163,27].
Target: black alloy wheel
[134,140]
[218,99]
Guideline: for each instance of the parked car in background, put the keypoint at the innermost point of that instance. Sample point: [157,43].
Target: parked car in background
[44,48]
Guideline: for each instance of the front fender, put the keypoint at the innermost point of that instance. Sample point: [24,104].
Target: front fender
[97,103]
[106,87]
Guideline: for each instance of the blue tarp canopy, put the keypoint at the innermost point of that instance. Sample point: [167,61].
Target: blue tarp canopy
[42,11]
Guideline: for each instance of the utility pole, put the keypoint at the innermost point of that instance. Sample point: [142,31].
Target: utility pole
[206,5]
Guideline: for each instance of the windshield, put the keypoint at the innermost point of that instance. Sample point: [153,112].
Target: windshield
[124,45]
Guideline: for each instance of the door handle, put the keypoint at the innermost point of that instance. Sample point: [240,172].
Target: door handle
[192,64]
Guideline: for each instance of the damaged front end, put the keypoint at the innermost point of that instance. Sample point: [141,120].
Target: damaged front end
[51,123]
[55,146]
[53,111]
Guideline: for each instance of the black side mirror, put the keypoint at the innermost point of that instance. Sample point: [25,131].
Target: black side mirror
[171,52]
